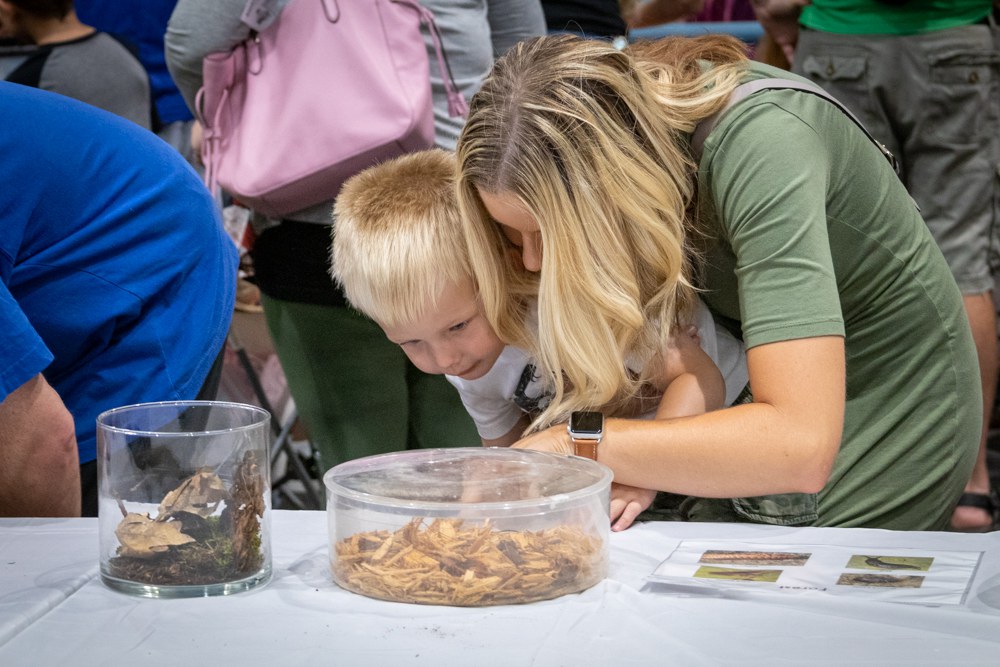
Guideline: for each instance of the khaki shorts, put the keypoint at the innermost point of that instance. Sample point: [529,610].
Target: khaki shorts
[934,100]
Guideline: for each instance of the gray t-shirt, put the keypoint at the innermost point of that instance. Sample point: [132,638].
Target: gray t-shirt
[96,69]
[473,33]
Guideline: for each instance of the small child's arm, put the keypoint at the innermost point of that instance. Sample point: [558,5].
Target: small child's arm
[512,436]
[692,384]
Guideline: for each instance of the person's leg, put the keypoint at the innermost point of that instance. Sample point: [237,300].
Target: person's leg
[437,416]
[348,381]
[88,488]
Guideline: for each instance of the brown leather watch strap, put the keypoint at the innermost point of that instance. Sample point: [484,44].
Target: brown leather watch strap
[585,448]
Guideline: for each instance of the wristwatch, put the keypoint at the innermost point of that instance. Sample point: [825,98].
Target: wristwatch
[586,429]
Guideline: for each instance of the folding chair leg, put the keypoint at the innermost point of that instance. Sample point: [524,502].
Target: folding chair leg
[282,443]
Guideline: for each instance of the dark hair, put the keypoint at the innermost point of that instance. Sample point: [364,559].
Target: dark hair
[50,9]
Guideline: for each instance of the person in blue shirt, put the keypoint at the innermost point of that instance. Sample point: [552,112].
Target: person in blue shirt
[117,284]
[143,23]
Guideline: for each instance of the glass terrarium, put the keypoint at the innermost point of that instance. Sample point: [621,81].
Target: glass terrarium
[184,498]
[468,526]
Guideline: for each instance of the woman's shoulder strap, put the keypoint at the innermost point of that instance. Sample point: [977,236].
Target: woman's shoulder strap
[744,90]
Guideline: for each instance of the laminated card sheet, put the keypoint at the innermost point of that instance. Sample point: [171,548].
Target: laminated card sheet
[892,574]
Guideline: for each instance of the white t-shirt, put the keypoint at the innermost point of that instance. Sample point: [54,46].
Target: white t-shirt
[725,350]
[512,387]
[493,400]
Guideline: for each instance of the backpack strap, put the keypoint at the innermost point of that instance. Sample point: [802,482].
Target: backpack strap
[741,91]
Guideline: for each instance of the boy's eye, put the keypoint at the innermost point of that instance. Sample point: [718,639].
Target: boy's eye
[460,326]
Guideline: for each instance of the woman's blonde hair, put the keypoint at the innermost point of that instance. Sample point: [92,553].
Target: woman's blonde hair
[593,143]
[397,239]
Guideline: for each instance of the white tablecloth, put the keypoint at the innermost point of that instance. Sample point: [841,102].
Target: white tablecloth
[54,610]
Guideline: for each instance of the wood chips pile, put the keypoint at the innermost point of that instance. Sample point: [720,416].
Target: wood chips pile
[446,563]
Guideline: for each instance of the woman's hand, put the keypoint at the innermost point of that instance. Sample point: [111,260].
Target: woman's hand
[628,502]
[553,439]
[780,20]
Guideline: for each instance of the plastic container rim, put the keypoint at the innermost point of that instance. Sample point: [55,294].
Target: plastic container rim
[263,416]
[379,501]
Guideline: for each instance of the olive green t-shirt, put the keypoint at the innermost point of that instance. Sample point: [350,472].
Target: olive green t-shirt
[815,236]
[870,17]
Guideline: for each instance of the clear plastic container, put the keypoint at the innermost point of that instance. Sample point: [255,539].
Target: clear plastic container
[468,526]
[185,498]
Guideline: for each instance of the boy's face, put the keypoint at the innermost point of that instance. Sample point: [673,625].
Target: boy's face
[452,338]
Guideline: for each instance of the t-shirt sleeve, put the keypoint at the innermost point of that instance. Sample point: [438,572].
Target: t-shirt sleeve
[494,414]
[490,400]
[24,354]
[768,173]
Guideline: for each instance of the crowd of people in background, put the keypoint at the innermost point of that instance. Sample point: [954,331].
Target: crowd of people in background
[778,323]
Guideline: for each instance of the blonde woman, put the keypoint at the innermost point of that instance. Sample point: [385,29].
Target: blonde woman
[577,175]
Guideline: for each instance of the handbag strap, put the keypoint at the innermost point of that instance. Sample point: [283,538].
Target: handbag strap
[457,105]
[259,14]
[210,140]
[741,91]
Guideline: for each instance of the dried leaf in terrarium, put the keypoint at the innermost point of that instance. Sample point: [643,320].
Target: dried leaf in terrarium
[142,537]
[199,494]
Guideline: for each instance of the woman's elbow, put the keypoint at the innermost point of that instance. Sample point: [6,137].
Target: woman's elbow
[815,469]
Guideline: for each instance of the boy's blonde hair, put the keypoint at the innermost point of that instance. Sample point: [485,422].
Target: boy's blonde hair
[397,237]
[594,144]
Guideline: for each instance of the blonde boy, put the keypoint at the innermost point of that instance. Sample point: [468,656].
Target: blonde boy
[400,256]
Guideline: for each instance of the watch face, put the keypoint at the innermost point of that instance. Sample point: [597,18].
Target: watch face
[583,423]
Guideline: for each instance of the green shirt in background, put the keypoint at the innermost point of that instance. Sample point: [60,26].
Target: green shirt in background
[870,17]
[816,236]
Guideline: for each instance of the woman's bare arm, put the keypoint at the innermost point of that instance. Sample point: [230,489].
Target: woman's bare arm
[785,441]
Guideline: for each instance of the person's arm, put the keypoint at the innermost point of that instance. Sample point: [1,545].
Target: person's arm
[512,436]
[694,385]
[656,12]
[39,463]
[197,28]
[513,20]
[780,20]
[784,442]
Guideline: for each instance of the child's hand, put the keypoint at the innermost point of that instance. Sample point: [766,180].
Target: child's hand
[627,502]
[684,343]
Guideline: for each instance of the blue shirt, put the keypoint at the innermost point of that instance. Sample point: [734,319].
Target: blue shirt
[117,279]
[143,23]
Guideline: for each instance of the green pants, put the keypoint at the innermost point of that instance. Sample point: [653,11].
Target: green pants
[355,391]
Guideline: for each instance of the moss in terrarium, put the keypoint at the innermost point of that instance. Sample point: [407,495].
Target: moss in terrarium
[205,561]
[199,550]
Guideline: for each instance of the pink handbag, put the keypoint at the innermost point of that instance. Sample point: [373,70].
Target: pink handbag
[326,90]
